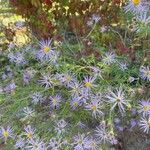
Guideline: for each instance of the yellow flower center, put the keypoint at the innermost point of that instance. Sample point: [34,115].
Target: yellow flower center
[146,107]
[136,2]
[88,84]
[75,104]
[29,135]
[6,134]
[148,123]
[46,49]
[147,73]
[68,78]
[118,99]
[55,102]
[94,107]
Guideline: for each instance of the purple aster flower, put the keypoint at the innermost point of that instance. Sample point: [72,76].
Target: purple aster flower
[80,141]
[145,73]
[75,102]
[11,46]
[144,107]
[67,79]
[97,72]
[135,6]
[145,124]
[29,132]
[17,58]
[10,88]
[36,144]
[26,77]
[46,50]
[20,24]
[28,112]
[89,82]
[95,18]
[75,88]
[117,98]
[20,143]
[85,94]
[103,29]
[6,133]
[123,66]
[133,123]
[95,106]
[101,133]
[117,121]
[4,76]
[81,125]
[55,101]
[47,81]
[92,144]
[143,18]
[112,139]
[56,144]
[37,97]
[109,58]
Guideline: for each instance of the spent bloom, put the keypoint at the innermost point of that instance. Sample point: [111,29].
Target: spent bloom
[145,73]
[145,124]
[6,133]
[109,58]
[46,50]
[144,107]
[60,126]
[28,112]
[47,81]
[101,133]
[117,98]
[17,58]
[37,97]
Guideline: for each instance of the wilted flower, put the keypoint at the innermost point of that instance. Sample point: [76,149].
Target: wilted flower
[101,133]
[17,58]
[28,112]
[109,58]
[37,97]
[117,98]
[60,126]
[47,81]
